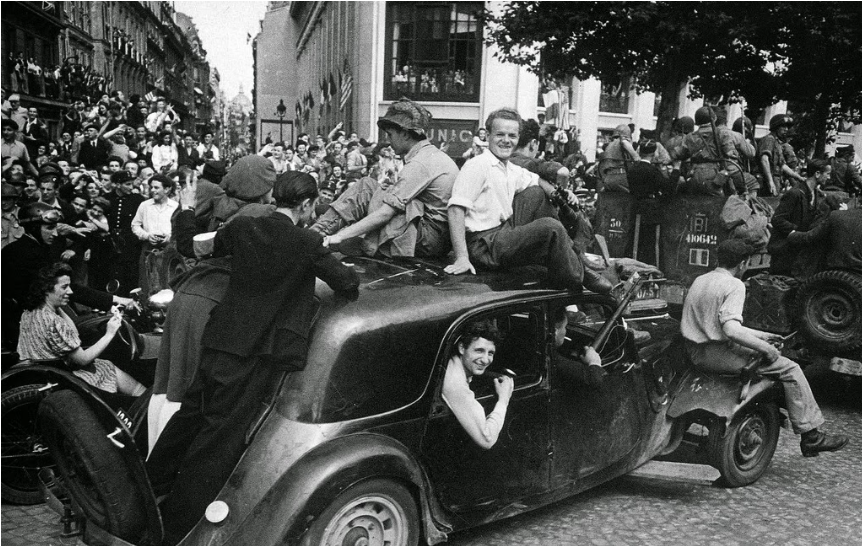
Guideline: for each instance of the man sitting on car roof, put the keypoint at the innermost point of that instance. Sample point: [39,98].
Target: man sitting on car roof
[500,215]
[407,218]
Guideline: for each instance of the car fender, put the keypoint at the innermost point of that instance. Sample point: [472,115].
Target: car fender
[717,394]
[298,496]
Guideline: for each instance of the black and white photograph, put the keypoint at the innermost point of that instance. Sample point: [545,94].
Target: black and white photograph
[403,273]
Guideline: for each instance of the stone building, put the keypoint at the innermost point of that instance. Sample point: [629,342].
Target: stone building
[54,52]
[347,61]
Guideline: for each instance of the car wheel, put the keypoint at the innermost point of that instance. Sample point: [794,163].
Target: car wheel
[829,307]
[94,473]
[743,454]
[24,450]
[371,513]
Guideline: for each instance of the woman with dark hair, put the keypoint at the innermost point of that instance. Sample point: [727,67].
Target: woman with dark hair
[258,332]
[47,333]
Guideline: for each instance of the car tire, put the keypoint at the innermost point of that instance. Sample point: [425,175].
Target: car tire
[743,454]
[829,307]
[24,450]
[373,512]
[93,471]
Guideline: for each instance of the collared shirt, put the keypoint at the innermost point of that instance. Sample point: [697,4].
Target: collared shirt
[202,150]
[422,190]
[154,218]
[713,299]
[16,149]
[486,187]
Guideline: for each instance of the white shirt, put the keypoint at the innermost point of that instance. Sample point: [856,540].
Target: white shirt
[154,218]
[202,149]
[469,412]
[164,156]
[485,187]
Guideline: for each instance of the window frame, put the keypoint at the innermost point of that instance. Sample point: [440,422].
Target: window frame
[391,91]
[509,309]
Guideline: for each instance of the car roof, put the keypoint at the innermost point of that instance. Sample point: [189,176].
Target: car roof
[400,290]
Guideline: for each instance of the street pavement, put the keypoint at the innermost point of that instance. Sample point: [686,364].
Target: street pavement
[798,502]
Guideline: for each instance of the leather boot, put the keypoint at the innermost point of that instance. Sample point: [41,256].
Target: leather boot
[814,441]
[596,283]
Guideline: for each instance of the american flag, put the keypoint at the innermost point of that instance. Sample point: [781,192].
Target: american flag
[346,84]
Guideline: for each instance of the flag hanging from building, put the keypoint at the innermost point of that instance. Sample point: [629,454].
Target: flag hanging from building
[323,97]
[346,84]
[332,88]
[298,111]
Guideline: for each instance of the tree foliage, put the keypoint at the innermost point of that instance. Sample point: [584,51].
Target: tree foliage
[724,50]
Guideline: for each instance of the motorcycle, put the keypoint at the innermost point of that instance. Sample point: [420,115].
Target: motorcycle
[134,350]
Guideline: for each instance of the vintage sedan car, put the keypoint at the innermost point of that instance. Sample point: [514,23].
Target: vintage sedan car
[359,447]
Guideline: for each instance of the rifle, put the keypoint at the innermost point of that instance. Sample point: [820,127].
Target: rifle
[631,289]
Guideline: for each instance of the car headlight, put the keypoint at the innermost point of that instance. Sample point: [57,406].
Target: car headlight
[217,511]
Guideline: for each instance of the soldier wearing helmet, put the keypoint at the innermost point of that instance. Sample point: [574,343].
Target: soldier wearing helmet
[713,155]
[407,218]
[771,154]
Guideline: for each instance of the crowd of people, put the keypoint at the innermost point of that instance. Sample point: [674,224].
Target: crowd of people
[124,184]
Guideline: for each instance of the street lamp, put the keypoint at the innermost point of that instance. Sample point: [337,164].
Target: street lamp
[280,111]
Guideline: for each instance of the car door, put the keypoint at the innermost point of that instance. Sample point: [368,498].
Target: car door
[593,427]
[473,481]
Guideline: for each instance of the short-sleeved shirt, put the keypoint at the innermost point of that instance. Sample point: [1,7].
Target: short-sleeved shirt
[421,191]
[46,335]
[714,298]
[771,146]
[485,187]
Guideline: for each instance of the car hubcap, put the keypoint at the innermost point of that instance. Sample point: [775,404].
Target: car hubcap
[368,521]
[751,435]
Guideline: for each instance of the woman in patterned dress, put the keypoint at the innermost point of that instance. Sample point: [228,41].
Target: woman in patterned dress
[47,333]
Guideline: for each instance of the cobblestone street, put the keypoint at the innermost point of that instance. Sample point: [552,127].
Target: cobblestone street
[799,502]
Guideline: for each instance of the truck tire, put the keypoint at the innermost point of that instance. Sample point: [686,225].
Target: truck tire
[24,450]
[829,307]
[93,472]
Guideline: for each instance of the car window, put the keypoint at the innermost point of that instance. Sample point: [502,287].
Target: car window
[381,370]
[520,350]
[585,322]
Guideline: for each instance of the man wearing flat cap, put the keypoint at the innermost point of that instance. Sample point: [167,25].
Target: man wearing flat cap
[409,217]
[845,175]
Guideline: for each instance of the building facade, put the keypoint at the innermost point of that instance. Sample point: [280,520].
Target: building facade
[346,62]
[55,52]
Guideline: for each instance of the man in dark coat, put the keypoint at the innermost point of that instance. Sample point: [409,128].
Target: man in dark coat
[258,332]
[127,247]
[94,150]
[796,212]
[842,233]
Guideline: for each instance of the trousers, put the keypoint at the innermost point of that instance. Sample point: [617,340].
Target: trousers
[202,443]
[729,357]
[531,236]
